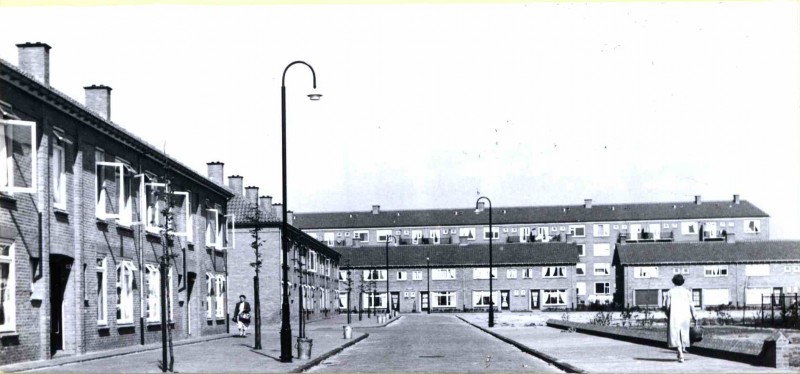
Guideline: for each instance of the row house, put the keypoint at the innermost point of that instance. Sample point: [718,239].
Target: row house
[313,265]
[525,276]
[81,226]
[721,273]
[595,228]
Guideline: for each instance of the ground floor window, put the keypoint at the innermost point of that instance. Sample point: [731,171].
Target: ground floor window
[481,298]
[102,308]
[153,276]
[602,288]
[219,292]
[125,278]
[645,297]
[443,299]
[716,296]
[374,300]
[554,297]
[210,295]
[755,296]
[697,297]
[7,287]
[342,300]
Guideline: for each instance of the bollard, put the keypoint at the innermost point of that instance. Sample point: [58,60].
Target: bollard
[348,332]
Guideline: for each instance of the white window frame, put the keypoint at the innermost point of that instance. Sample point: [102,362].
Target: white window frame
[343,301]
[601,249]
[601,230]
[102,292]
[369,298]
[580,288]
[59,176]
[126,297]
[210,295]
[466,232]
[580,269]
[7,182]
[9,300]
[714,271]
[573,230]
[582,251]
[151,210]
[382,236]
[212,225]
[402,275]
[188,224]
[544,233]
[433,234]
[524,233]
[756,224]
[495,233]
[602,268]
[606,288]
[374,275]
[329,238]
[311,262]
[757,270]
[689,228]
[645,271]
[443,274]
[527,273]
[483,273]
[416,275]
[153,295]
[554,271]
[228,239]
[220,289]
[416,236]
[511,273]
[451,297]
[101,191]
[561,297]
[479,298]
[362,234]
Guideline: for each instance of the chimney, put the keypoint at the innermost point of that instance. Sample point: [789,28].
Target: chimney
[251,194]
[278,209]
[736,199]
[481,206]
[98,100]
[376,209]
[215,171]
[34,59]
[235,183]
[697,200]
[289,217]
[265,202]
[587,203]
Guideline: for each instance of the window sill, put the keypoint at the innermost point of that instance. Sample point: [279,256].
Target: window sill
[60,211]
[125,227]
[126,325]
[9,335]
[7,198]
[103,326]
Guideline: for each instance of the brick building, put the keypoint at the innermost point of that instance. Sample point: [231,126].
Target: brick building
[596,229]
[720,273]
[320,264]
[449,277]
[80,236]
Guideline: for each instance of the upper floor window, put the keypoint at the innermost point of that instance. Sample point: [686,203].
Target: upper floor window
[689,228]
[495,233]
[434,236]
[311,263]
[577,231]
[581,249]
[483,273]
[8,286]
[553,271]
[362,235]
[756,270]
[443,274]
[328,238]
[716,271]
[374,275]
[383,235]
[416,275]
[18,156]
[402,275]
[58,163]
[580,269]
[125,279]
[527,273]
[602,269]
[416,236]
[467,232]
[645,271]
[511,273]
[752,226]
[602,249]
[524,234]
[602,229]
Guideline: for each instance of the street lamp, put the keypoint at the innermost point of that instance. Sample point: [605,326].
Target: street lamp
[388,294]
[491,236]
[286,328]
[428,265]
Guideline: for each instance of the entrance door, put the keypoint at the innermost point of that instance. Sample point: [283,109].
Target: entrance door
[534,299]
[505,302]
[424,301]
[635,231]
[60,267]
[396,301]
[190,278]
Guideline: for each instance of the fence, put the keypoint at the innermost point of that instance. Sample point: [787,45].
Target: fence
[780,310]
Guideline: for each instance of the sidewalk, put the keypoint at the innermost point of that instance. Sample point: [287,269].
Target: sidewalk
[576,352]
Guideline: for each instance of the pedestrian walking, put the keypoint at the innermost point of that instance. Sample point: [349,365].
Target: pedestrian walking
[241,315]
[679,310]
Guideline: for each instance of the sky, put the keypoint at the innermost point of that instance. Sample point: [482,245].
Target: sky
[430,105]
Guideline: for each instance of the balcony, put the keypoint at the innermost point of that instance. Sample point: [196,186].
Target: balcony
[646,237]
[713,236]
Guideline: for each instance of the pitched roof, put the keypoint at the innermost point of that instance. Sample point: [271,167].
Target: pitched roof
[244,213]
[519,254]
[530,214]
[709,253]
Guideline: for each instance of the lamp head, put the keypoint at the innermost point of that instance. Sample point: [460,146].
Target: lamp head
[314,96]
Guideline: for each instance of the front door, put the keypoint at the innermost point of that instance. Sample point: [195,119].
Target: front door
[396,301]
[534,299]
[189,313]
[505,302]
[60,267]
[424,301]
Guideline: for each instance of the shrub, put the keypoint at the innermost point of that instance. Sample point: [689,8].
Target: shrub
[601,319]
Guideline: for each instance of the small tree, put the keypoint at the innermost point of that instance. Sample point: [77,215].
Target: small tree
[167,230]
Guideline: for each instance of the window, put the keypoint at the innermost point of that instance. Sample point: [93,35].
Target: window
[577,231]
[7,286]
[374,275]
[58,163]
[311,261]
[155,201]
[125,279]
[443,274]
[689,228]
[219,292]
[527,273]
[342,300]
[524,234]
[580,269]
[752,226]
[716,270]
[213,234]
[602,229]
[580,288]
[416,235]
[467,232]
[645,297]
[716,296]
[760,270]
[383,235]
[402,275]
[362,235]
[18,156]
[543,234]
[645,271]
[481,298]
[102,291]
[328,238]
[434,235]
[697,297]
[182,215]
[343,275]
[109,188]
[511,274]
[602,288]
[210,295]
[374,300]
[495,233]
[581,249]
[602,249]
[416,275]
[483,273]
[554,297]
[153,276]
[602,269]
[443,299]
[553,271]
[755,296]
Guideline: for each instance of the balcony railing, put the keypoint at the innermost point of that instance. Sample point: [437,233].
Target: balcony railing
[644,237]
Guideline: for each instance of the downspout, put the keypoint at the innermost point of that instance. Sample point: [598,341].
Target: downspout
[140,252]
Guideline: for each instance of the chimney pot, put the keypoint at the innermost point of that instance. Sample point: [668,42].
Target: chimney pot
[697,199]
[587,203]
[289,217]
[34,59]
[376,209]
[251,194]
[278,209]
[235,183]
[215,171]
[98,100]
[736,199]
[481,206]
[265,202]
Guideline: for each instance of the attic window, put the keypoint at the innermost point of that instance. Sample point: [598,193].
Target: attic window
[504,211]
[456,212]
[398,214]
[674,207]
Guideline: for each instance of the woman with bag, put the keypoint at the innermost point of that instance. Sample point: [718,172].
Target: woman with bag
[679,310]
[241,315]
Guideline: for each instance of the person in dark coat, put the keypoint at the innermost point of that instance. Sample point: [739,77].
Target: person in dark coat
[241,315]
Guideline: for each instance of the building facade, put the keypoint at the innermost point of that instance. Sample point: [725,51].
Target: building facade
[596,229]
[80,226]
[722,273]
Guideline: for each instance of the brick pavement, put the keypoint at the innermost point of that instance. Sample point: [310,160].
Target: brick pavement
[603,355]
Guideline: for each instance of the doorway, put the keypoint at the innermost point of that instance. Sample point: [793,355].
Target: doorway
[424,301]
[505,303]
[396,301]
[60,268]
[190,278]
[534,299]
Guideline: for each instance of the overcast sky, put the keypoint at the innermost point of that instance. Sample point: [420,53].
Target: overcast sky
[425,106]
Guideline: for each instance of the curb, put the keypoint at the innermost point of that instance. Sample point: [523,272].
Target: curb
[43,364]
[318,360]
[383,325]
[569,368]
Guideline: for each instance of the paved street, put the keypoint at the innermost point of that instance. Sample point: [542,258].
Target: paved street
[432,343]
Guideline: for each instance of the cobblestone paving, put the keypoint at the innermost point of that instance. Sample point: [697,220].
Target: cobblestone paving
[432,343]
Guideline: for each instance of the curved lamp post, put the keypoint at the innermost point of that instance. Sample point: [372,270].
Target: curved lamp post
[388,294]
[286,328]
[491,236]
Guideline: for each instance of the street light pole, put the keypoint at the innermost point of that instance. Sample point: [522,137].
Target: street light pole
[286,328]
[388,294]
[491,236]
[428,265]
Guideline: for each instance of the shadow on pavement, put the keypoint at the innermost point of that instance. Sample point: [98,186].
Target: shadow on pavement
[265,355]
[656,359]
